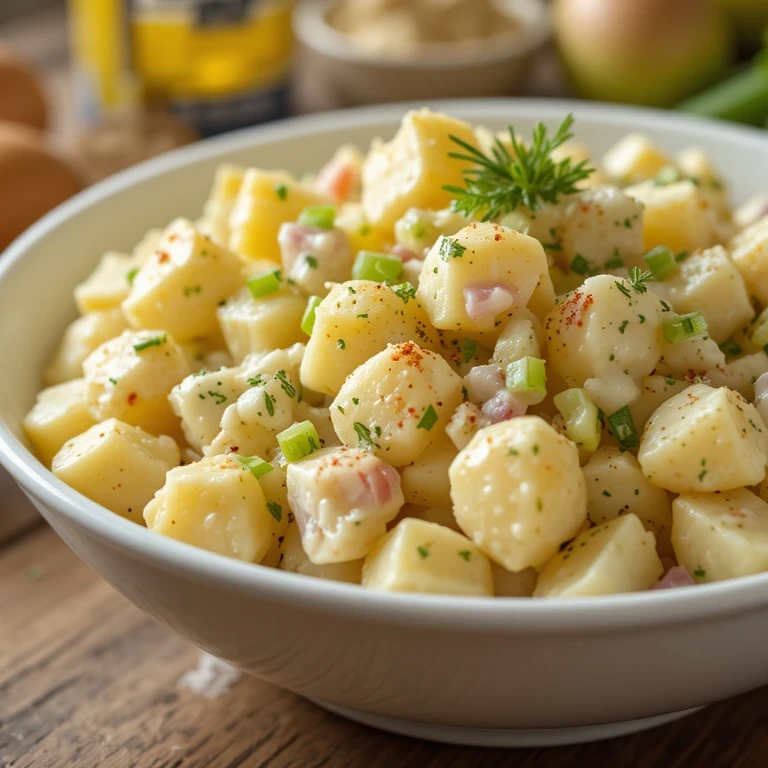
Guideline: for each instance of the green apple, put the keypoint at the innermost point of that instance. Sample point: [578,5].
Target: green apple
[749,17]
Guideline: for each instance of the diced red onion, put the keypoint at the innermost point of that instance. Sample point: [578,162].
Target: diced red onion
[403,253]
[380,482]
[503,406]
[483,382]
[675,577]
[336,181]
[296,239]
[487,300]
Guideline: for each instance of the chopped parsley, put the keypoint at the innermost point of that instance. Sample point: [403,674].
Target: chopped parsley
[423,551]
[311,261]
[130,275]
[364,436]
[607,493]
[642,319]
[670,381]
[269,402]
[281,191]
[114,381]
[356,400]
[464,554]
[468,349]
[623,326]
[464,394]
[155,341]
[275,510]
[218,397]
[256,381]
[341,344]
[451,249]
[579,265]
[364,315]
[286,384]
[513,452]
[535,450]
[699,573]
[189,290]
[341,410]
[405,291]
[428,419]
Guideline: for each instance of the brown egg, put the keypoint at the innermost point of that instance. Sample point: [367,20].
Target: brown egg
[21,96]
[32,180]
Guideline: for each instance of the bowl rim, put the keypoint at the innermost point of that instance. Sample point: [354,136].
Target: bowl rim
[314,32]
[641,609]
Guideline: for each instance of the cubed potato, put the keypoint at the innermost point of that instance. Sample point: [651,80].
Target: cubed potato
[343,499]
[721,535]
[107,285]
[607,327]
[425,480]
[676,215]
[227,182]
[116,465]
[354,321]
[440,515]
[613,558]
[80,338]
[691,357]
[294,559]
[417,556]
[740,374]
[130,377]
[59,414]
[258,325]
[411,170]
[616,486]
[508,584]
[418,229]
[634,158]
[704,439]
[183,283]
[518,491]
[362,236]
[611,393]
[215,504]
[463,352]
[523,336]
[340,178]
[749,251]
[265,200]
[146,246]
[695,165]
[397,403]
[709,282]
[464,423]
[472,281]
[751,211]
[655,390]
[604,227]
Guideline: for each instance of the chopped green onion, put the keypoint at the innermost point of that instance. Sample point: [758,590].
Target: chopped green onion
[582,418]
[682,327]
[428,419]
[579,265]
[265,283]
[320,216]
[623,427]
[669,174]
[308,320]
[378,267]
[528,374]
[257,466]
[130,275]
[730,348]
[155,341]
[662,262]
[298,441]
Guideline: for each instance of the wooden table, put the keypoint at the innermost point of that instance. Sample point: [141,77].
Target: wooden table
[88,681]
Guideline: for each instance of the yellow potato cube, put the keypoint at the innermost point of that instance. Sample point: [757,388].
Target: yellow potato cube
[293,558]
[425,480]
[183,283]
[749,251]
[59,414]
[613,558]
[411,170]
[218,207]
[116,465]
[417,556]
[634,158]
[107,285]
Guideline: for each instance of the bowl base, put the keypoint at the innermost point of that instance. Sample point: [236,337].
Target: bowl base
[503,737]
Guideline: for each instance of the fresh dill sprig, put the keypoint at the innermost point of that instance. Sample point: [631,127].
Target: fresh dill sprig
[498,184]
[638,279]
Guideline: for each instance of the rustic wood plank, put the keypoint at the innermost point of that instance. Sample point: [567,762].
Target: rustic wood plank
[87,680]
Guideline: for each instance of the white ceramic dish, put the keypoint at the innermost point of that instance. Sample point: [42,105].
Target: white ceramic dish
[483,671]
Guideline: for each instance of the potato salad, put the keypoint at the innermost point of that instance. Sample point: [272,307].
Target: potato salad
[462,363]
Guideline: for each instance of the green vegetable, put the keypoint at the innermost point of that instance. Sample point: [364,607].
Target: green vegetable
[579,265]
[298,441]
[130,275]
[257,466]
[451,249]
[730,348]
[264,283]
[662,262]
[682,327]
[155,341]
[319,216]
[378,267]
[582,422]
[308,319]
[623,427]
[503,181]
[428,419]
[669,174]
[528,374]
[468,349]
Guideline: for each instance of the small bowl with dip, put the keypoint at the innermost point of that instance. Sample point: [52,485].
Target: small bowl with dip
[373,51]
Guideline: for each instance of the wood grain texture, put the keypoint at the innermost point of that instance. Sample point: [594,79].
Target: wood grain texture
[87,681]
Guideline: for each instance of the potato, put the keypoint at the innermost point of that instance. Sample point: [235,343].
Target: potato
[80,338]
[704,439]
[604,227]
[397,403]
[654,391]
[107,285]
[343,499]
[411,170]
[523,336]
[350,218]
[634,158]
[183,283]
[462,352]
[417,556]
[709,282]
[749,251]
[508,584]
[721,535]
[691,357]
[59,414]
[740,374]
[215,504]
[518,491]
[613,558]
[751,211]
[417,229]
[675,215]
[425,480]
[440,515]
[259,325]
[616,486]
[227,182]
[130,378]
[696,165]
[355,321]
[611,393]
[294,559]
[472,281]
[116,465]
[464,423]
[265,200]
[604,328]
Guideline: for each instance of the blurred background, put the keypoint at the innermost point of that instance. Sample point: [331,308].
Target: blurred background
[89,87]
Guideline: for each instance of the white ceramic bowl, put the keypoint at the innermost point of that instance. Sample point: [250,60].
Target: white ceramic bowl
[491,671]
